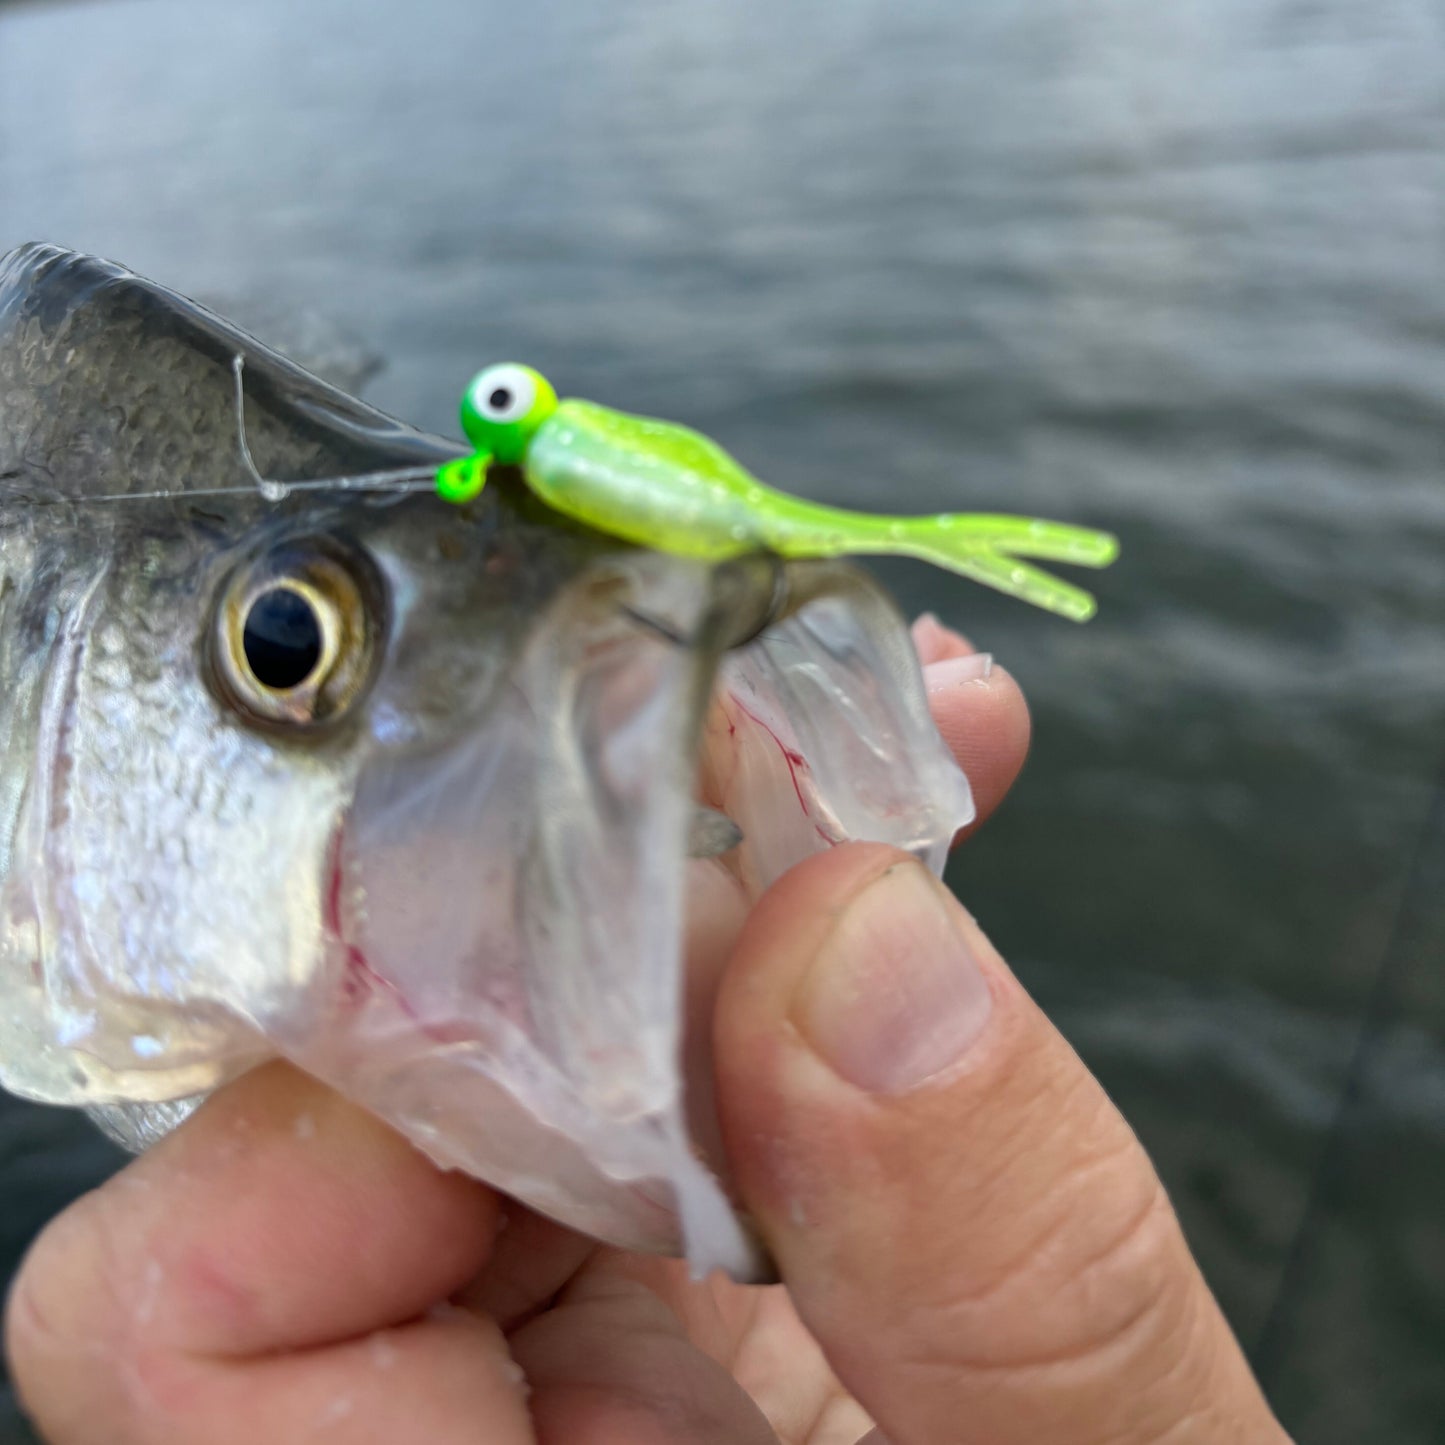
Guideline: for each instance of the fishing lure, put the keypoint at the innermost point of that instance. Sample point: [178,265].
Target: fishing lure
[667,487]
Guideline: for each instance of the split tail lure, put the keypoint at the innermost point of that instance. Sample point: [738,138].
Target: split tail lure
[664,486]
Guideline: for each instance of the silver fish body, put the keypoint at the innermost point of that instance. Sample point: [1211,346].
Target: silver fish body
[445,868]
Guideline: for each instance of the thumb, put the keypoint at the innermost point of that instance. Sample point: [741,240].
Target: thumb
[964,1220]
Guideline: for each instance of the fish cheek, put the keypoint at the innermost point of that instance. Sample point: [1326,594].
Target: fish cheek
[178,863]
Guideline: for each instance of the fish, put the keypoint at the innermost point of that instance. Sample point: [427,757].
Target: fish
[410,794]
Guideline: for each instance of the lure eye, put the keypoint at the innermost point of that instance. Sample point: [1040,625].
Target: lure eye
[503,394]
[503,407]
[293,641]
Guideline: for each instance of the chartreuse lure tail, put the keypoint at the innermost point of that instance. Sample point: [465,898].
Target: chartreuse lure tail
[672,489]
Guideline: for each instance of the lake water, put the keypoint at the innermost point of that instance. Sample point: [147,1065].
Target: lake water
[1176,269]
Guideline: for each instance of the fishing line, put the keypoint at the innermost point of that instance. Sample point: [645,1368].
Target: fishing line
[397,479]
[408,479]
[1381,1008]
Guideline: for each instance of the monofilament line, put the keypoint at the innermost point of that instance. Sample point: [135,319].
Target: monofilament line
[405,479]
[401,479]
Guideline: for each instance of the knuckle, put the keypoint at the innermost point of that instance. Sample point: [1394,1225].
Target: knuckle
[1095,1269]
[1126,1290]
[54,1347]
[1043,1274]
[74,1335]
[1110,1346]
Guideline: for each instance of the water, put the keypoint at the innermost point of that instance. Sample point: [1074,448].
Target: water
[1175,270]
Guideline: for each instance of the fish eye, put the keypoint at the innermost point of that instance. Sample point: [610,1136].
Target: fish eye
[503,394]
[293,641]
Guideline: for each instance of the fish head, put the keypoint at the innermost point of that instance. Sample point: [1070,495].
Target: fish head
[397,790]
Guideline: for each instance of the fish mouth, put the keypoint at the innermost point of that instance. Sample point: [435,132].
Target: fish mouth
[614,1092]
[417,1067]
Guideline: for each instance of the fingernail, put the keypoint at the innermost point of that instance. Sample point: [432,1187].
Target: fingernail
[895,994]
[976,667]
[935,642]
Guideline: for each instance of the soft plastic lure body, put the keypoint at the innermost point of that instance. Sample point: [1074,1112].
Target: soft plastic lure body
[665,486]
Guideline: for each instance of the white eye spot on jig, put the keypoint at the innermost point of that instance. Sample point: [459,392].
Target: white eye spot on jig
[503,393]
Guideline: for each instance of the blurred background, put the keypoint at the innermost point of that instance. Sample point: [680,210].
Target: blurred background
[1177,270]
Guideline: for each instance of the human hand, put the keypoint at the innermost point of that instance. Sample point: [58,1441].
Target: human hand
[977,1245]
